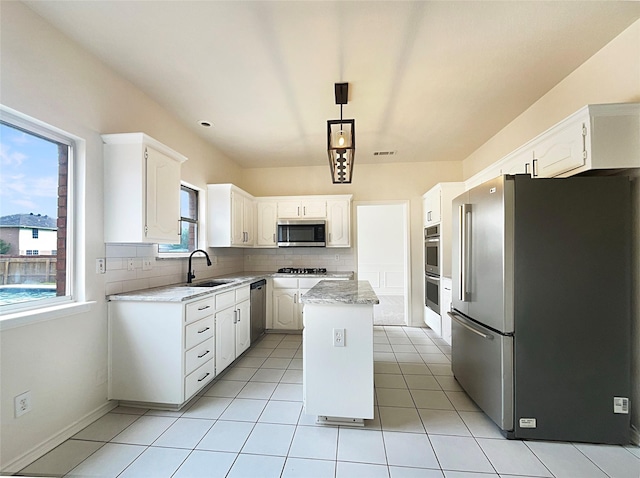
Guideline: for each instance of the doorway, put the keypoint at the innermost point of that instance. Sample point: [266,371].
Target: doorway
[382,233]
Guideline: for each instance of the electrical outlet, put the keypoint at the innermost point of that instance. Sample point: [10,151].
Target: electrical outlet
[338,337]
[22,403]
[101,265]
[130,265]
[337,257]
[147,263]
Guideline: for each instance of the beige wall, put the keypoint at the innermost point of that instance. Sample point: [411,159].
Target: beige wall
[63,361]
[611,76]
[371,182]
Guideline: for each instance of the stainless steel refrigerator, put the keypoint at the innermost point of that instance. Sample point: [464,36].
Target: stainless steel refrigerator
[541,305]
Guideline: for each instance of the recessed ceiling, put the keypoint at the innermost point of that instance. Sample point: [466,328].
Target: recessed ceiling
[428,80]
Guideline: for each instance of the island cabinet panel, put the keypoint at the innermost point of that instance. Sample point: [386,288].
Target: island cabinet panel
[160,353]
[338,380]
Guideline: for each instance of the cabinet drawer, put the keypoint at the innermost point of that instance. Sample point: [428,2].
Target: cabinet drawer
[225,299]
[242,293]
[198,355]
[198,331]
[198,379]
[199,309]
[285,283]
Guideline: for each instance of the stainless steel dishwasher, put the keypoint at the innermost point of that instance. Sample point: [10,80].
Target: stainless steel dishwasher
[258,299]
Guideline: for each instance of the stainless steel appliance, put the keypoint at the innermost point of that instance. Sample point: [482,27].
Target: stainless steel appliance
[432,250]
[541,305]
[432,292]
[258,311]
[302,233]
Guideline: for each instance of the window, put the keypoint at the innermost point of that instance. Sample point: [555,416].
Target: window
[189,220]
[35,203]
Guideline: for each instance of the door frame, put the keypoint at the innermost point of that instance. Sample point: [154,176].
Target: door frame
[406,210]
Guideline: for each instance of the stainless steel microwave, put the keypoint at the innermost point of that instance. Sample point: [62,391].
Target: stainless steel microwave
[302,233]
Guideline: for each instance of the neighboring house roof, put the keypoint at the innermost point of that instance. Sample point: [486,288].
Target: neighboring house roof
[29,221]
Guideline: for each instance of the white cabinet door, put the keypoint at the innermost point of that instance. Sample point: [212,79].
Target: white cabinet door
[431,206]
[432,319]
[248,206]
[289,209]
[445,306]
[560,151]
[243,327]
[520,163]
[141,190]
[286,310]
[314,208]
[163,198]
[267,220]
[237,223]
[338,223]
[225,338]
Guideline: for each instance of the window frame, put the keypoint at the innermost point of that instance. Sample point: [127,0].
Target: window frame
[73,290]
[200,224]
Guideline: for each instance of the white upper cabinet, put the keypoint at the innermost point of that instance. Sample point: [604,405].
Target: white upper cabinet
[267,212]
[339,222]
[595,137]
[431,206]
[141,190]
[302,208]
[230,216]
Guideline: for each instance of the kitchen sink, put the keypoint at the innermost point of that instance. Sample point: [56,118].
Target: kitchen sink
[210,283]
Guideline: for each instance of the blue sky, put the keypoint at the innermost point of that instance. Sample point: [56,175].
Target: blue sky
[28,174]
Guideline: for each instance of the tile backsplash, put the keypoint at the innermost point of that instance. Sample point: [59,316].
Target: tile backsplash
[157,272]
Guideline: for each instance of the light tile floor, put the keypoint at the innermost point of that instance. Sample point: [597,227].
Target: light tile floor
[249,423]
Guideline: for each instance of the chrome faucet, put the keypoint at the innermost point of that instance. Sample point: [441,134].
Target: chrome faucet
[191,274]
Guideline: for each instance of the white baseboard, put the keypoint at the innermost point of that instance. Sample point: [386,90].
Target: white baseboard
[50,443]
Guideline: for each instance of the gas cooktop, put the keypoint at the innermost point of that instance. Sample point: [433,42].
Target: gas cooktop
[302,270]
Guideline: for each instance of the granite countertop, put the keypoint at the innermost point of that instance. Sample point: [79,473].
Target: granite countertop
[341,292]
[183,292]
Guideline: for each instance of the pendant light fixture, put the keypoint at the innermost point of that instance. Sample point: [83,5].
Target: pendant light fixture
[341,140]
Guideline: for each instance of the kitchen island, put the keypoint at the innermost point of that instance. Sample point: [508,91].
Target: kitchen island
[338,351]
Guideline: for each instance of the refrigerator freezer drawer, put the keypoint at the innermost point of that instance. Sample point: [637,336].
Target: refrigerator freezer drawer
[483,365]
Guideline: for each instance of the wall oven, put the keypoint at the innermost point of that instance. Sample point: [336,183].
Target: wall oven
[432,250]
[301,233]
[432,292]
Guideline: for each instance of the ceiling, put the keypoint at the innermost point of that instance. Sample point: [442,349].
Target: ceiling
[428,80]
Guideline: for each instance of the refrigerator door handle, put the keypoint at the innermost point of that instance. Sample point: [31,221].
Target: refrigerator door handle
[462,322]
[463,249]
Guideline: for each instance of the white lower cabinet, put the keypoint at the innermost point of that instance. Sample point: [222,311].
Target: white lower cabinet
[445,306]
[160,353]
[233,326]
[287,306]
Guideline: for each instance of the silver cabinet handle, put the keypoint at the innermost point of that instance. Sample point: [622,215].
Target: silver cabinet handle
[239,314]
[534,168]
[204,308]
[203,330]
[235,316]
[205,376]
[467,326]
[526,168]
[295,298]
[304,211]
[200,356]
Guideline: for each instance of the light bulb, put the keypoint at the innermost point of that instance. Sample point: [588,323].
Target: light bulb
[341,139]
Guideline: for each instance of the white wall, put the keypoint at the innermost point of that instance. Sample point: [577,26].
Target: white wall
[610,76]
[63,361]
[381,240]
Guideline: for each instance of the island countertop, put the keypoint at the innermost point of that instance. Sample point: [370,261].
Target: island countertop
[341,292]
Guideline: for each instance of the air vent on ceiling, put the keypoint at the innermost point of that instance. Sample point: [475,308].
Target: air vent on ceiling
[384,153]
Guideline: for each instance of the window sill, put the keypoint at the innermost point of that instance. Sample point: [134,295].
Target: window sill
[29,317]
